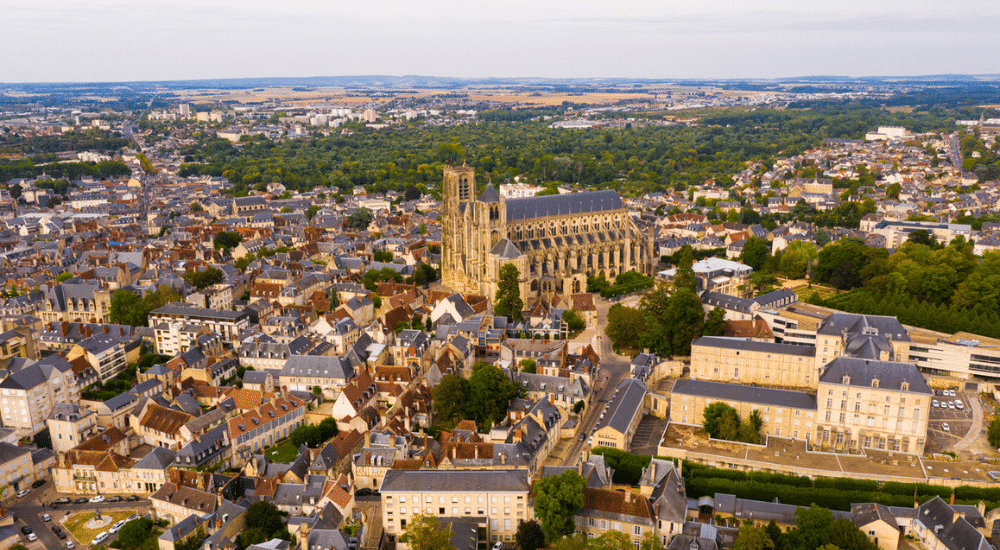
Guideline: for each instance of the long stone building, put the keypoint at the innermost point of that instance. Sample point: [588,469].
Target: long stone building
[555,241]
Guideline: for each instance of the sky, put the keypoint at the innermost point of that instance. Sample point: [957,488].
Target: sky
[113,40]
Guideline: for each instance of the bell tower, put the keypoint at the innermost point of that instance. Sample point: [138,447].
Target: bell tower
[459,184]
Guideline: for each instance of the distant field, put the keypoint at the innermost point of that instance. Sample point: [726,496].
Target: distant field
[900,109]
[338,95]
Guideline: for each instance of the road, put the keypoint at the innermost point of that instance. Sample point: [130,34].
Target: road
[29,512]
[614,369]
[955,152]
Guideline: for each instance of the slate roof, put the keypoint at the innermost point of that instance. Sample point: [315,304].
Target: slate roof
[570,203]
[443,481]
[738,392]
[505,249]
[318,367]
[627,400]
[489,194]
[751,345]
[862,372]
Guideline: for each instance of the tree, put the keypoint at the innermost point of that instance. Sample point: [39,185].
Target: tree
[411,193]
[993,432]
[846,536]
[263,522]
[796,259]
[508,297]
[752,538]
[812,527]
[821,237]
[135,533]
[196,207]
[128,309]
[490,392]
[427,533]
[776,535]
[573,320]
[382,256]
[529,535]
[755,252]
[226,240]
[922,236]
[64,276]
[684,276]
[451,398]
[359,220]
[651,541]
[611,540]
[626,326]
[424,274]
[203,279]
[529,366]
[311,211]
[715,325]
[557,498]
[716,416]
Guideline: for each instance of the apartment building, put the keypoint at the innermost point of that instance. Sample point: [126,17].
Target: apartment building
[875,337]
[28,396]
[261,427]
[963,355]
[171,320]
[76,300]
[69,425]
[875,404]
[745,361]
[785,413]
[620,418]
[497,499]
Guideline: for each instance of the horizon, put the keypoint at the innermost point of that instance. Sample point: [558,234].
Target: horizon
[185,40]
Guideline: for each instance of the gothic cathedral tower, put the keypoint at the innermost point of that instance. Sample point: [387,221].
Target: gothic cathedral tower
[459,185]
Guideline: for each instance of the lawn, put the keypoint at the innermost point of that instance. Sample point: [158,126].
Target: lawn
[77,524]
[284,452]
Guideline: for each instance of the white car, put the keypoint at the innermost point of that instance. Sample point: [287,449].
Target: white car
[46,517]
[32,537]
[23,493]
[97,499]
[959,405]
[934,403]
[498,545]
[103,536]
[951,405]
[70,545]
[117,527]
[945,427]
[132,517]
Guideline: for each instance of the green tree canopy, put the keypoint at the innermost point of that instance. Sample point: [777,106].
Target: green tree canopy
[427,533]
[755,252]
[508,297]
[557,498]
[715,325]
[226,240]
[490,392]
[626,326]
[574,320]
[204,278]
[451,399]
[359,220]
[529,535]
[135,533]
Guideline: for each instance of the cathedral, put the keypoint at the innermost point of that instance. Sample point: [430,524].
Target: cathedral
[555,241]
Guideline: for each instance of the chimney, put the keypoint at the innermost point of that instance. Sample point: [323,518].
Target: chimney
[86,330]
[454,452]
[652,472]
[981,507]
[952,501]
[105,328]
[64,328]
[476,447]
[518,435]
[218,523]
[579,468]
[368,438]
[552,400]
[503,458]
[628,496]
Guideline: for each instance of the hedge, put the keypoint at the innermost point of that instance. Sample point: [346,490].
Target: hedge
[846,484]
[897,488]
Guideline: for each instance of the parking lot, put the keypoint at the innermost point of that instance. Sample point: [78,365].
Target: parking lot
[958,423]
[29,513]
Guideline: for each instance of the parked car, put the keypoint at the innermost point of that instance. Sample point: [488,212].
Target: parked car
[55,528]
[46,517]
[959,405]
[81,500]
[934,403]
[101,537]
[131,498]
[23,493]
[32,537]
[25,530]
[117,527]
[70,545]
[498,545]
[951,405]
[38,483]
[62,500]
[61,535]
[945,427]
[115,498]
[97,499]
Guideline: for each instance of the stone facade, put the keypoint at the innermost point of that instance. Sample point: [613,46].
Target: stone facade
[555,241]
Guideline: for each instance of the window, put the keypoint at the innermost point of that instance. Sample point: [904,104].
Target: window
[637,530]
[591,522]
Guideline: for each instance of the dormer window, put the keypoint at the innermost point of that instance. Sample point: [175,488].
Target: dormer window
[905,386]
[846,380]
[874,382]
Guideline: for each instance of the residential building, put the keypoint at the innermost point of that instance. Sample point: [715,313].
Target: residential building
[28,396]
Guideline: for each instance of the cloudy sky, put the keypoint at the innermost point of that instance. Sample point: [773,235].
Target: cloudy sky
[111,40]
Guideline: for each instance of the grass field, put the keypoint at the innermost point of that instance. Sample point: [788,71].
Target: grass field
[77,524]
[284,452]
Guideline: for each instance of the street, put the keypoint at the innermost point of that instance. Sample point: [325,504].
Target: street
[614,369]
[29,512]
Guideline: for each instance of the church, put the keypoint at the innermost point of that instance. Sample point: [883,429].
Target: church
[555,241]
